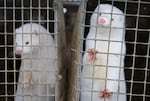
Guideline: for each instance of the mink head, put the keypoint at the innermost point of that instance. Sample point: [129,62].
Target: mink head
[106,15]
[26,38]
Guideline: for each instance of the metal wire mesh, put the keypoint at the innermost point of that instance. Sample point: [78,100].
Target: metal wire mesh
[15,14]
[136,62]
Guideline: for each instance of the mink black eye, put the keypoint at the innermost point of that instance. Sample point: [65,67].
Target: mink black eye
[27,43]
[112,19]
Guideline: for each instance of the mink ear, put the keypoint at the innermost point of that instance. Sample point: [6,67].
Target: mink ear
[35,32]
[16,30]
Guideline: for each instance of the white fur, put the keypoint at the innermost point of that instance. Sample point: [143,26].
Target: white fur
[38,66]
[107,70]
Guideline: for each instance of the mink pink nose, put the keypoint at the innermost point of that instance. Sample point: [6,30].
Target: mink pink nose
[19,52]
[102,21]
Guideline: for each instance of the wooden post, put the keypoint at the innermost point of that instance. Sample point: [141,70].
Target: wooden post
[61,46]
[76,54]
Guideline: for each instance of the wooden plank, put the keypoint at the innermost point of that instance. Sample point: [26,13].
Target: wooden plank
[75,57]
[61,46]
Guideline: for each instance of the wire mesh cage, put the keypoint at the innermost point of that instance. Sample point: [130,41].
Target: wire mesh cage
[32,47]
[96,73]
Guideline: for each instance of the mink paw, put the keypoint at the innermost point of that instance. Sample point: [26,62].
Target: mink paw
[92,54]
[105,94]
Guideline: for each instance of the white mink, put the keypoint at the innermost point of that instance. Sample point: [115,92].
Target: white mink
[103,62]
[37,74]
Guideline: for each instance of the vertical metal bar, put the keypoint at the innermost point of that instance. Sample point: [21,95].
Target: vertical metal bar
[47,23]
[93,63]
[132,76]
[5,38]
[14,44]
[22,12]
[55,8]
[146,68]
[39,11]
[31,12]
[125,13]
[31,55]
[48,13]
